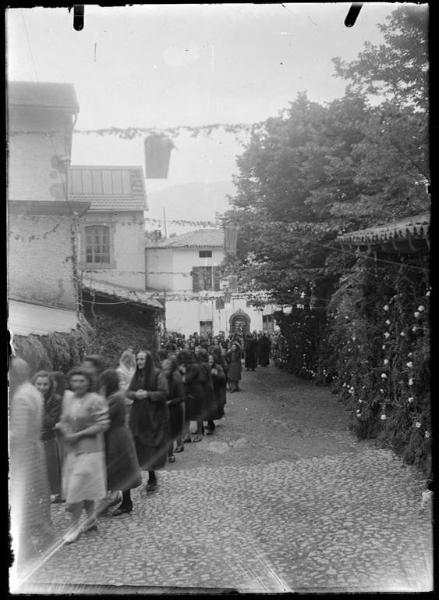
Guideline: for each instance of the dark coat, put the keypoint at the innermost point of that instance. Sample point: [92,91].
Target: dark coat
[176,404]
[194,386]
[219,388]
[209,408]
[123,471]
[149,418]
[51,415]
[251,353]
[264,347]
[235,366]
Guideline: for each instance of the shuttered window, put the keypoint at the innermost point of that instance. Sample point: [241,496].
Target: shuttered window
[205,278]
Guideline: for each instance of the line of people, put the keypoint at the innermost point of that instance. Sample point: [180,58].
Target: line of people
[85,438]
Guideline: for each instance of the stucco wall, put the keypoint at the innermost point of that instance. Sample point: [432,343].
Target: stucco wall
[40,268]
[127,248]
[33,171]
[159,269]
[180,262]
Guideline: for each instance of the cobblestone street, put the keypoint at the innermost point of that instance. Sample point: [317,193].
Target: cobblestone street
[281,498]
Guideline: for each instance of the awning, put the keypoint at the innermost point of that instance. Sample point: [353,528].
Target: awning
[119,292]
[27,319]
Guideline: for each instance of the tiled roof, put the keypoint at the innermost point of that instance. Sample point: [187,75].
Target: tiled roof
[202,238]
[416,227]
[38,94]
[26,319]
[108,188]
[120,292]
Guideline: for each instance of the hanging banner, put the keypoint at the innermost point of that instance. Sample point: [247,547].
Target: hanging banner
[157,156]
[230,239]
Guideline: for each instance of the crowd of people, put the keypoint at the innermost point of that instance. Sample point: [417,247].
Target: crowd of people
[84,438]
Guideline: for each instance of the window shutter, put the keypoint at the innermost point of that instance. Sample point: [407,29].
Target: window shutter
[216,278]
[196,279]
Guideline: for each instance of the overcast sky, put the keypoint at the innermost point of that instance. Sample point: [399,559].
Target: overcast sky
[170,65]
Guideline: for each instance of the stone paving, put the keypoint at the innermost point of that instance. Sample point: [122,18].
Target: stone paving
[280,498]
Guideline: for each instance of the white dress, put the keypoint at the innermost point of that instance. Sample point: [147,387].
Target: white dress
[84,471]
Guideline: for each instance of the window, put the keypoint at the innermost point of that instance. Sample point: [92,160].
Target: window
[205,278]
[97,244]
[206,327]
[205,253]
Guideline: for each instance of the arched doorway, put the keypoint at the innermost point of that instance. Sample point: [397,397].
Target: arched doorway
[239,322]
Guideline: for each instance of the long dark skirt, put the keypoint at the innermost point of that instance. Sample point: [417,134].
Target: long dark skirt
[176,420]
[194,406]
[151,458]
[123,471]
[53,463]
[251,358]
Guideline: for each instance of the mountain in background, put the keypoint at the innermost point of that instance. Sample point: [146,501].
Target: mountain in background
[195,201]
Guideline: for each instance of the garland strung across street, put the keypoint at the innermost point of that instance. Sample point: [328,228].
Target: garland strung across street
[183,222]
[129,133]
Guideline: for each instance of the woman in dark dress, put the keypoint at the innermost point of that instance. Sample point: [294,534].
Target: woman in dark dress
[52,411]
[210,408]
[148,419]
[251,352]
[194,392]
[123,471]
[219,386]
[264,347]
[233,358]
[176,405]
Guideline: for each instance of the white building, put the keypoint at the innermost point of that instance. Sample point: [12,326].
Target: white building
[185,269]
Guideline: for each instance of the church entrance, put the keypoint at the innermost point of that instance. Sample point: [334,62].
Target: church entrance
[240,323]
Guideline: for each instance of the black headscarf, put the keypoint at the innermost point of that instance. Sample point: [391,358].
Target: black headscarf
[144,379]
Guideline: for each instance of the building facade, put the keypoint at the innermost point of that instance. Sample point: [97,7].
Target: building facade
[111,236]
[185,270]
[42,221]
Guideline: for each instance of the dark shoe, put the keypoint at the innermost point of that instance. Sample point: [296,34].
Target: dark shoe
[187,440]
[179,449]
[122,510]
[91,527]
[151,486]
[171,459]
[197,438]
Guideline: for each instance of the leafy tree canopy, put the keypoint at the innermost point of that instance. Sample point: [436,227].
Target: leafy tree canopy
[316,171]
[398,69]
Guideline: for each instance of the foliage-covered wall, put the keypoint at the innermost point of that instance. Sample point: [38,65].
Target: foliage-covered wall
[114,335]
[55,351]
[380,348]
[304,336]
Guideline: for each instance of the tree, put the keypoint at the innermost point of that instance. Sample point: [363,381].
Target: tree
[397,70]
